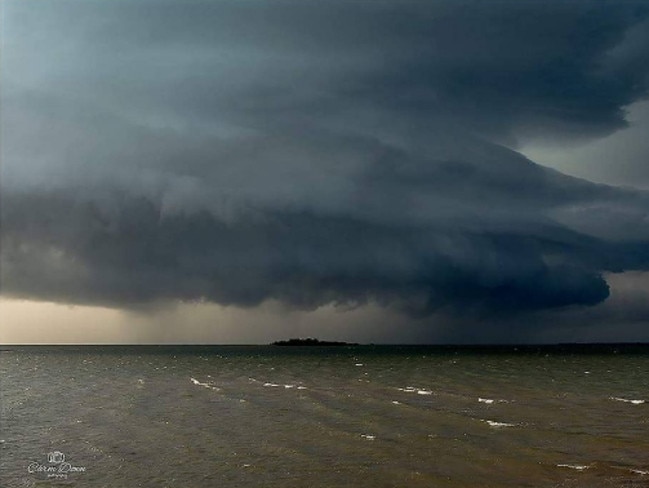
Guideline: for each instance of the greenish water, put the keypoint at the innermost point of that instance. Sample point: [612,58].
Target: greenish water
[233,416]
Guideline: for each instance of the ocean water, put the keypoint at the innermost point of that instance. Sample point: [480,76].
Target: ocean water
[248,416]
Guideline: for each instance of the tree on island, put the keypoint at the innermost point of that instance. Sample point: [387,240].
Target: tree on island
[311,342]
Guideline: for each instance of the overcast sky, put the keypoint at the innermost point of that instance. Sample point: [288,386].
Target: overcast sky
[382,171]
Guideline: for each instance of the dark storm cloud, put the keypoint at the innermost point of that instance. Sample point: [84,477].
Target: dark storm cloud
[315,152]
[509,69]
[124,249]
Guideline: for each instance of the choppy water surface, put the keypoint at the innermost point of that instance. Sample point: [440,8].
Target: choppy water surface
[322,417]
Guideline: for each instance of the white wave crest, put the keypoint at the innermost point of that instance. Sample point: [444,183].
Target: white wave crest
[493,423]
[204,385]
[578,467]
[625,400]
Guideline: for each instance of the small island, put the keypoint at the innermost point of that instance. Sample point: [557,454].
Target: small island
[312,342]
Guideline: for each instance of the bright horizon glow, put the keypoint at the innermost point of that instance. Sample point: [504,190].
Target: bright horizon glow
[183,323]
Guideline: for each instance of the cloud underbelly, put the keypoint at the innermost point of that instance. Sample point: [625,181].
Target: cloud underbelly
[75,252]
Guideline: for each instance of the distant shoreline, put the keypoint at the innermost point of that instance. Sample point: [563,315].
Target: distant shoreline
[619,348]
[312,342]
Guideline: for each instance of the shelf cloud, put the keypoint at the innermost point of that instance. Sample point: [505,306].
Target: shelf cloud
[317,153]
